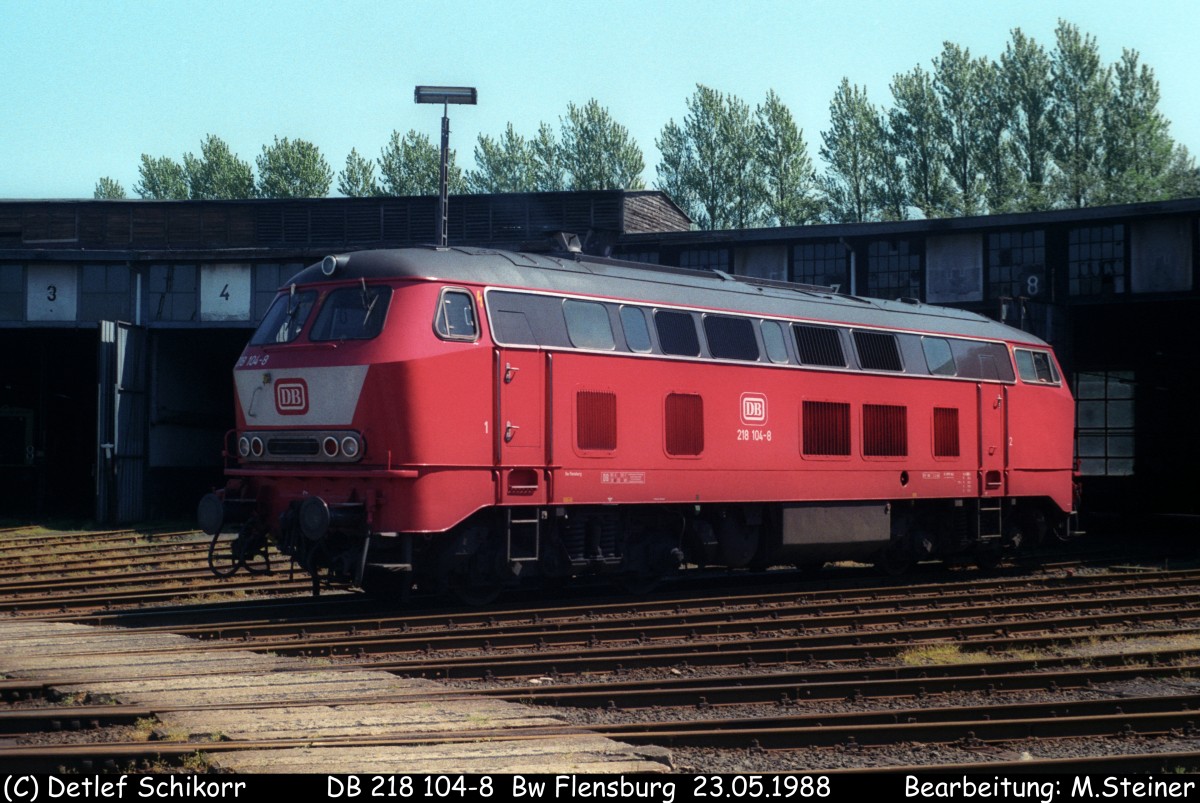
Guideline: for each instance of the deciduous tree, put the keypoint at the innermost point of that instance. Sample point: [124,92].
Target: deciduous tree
[1137,146]
[1079,90]
[960,85]
[849,148]
[1025,73]
[293,168]
[597,152]
[161,179]
[913,126]
[787,169]
[108,188]
[217,173]
[411,165]
[357,178]
[504,165]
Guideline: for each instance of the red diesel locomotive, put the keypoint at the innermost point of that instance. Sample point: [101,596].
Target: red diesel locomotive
[472,419]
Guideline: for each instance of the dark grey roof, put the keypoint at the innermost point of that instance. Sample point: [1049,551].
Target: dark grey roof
[658,284]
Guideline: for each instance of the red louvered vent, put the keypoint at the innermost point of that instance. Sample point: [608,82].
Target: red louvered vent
[596,420]
[685,424]
[945,432]
[826,429]
[885,430]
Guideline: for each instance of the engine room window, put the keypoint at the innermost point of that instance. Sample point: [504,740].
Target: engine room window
[976,360]
[877,351]
[772,334]
[456,316]
[938,356]
[730,338]
[637,334]
[588,325]
[677,333]
[819,345]
[352,313]
[285,319]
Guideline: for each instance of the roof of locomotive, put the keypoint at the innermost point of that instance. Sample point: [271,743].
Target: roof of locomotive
[642,282]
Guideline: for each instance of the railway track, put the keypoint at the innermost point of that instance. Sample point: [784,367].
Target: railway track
[798,673]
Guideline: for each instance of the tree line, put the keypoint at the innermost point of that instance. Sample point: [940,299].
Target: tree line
[1035,129]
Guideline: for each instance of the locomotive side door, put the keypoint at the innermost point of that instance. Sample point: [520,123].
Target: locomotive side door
[520,421]
[993,438]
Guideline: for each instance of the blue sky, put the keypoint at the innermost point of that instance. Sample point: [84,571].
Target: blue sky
[87,87]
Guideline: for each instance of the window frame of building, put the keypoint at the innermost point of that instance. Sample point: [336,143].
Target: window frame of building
[816,262]
[888,262]
[1016,265]
[1096,258]
[1105,423]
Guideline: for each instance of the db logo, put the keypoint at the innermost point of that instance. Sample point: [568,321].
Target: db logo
[291,396]
[754,409]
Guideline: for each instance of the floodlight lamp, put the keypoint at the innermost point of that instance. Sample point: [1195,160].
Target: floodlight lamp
[465,95]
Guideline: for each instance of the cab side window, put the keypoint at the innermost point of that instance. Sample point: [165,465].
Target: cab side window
[456,316]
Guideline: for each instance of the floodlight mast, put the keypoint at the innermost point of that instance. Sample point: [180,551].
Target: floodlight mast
[445,95]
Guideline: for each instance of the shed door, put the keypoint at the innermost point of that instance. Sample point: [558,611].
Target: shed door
[121,423]
[993,438]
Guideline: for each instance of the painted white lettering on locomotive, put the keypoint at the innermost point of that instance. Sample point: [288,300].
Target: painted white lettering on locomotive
[622,478]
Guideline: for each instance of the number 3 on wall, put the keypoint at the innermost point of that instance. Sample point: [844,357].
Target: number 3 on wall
[51,292]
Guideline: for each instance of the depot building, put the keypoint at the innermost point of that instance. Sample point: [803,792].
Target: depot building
[120,321]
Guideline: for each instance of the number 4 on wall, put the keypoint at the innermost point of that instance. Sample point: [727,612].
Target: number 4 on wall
[225,292]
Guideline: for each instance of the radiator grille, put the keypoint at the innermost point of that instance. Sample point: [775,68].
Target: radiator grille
[685,424]
[596,420]
[826,428]
[945,432]
[885,430]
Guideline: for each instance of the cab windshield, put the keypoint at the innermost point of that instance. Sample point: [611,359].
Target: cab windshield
[352,313]
[285,319]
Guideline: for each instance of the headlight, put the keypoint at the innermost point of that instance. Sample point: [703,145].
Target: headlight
[243,447]
[350,446]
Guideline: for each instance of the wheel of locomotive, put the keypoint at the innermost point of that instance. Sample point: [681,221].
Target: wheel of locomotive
[476,578]
[651,560]
[737,542]
[475,594]
[1031,528]
[638,583]
[897,557]
[391,586]
[988,556]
